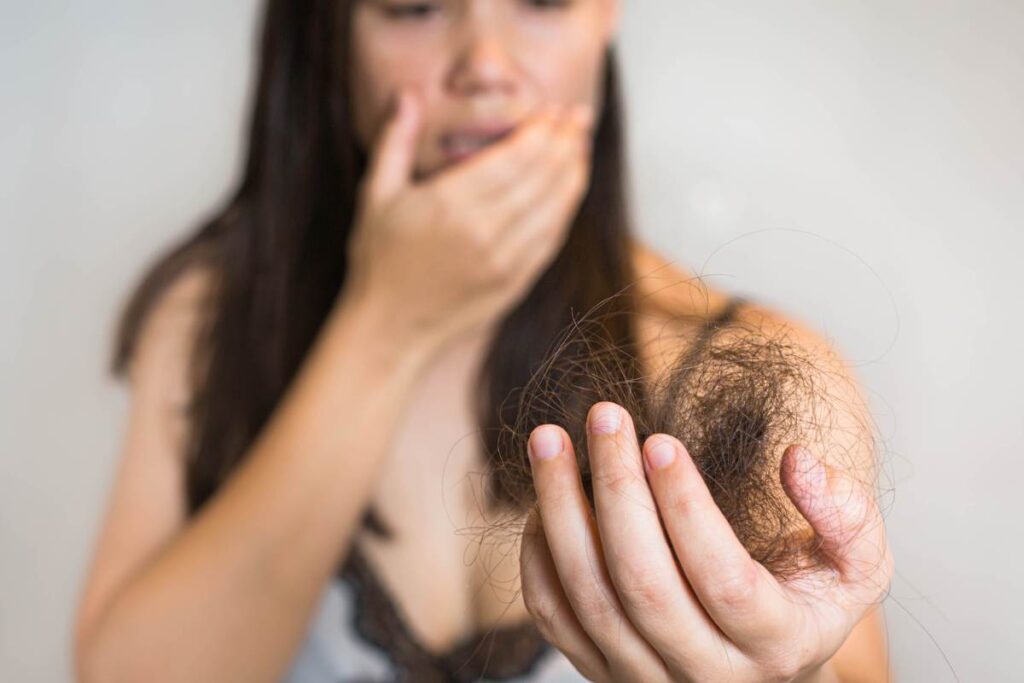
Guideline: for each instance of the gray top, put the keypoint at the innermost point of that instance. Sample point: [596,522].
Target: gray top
[335,651]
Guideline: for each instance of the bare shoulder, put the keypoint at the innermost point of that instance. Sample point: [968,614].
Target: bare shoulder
[146,501]
[668,289]
[671,296]
[159,369]
[673,305]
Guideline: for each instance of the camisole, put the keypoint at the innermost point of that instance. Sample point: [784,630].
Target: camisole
[358,633]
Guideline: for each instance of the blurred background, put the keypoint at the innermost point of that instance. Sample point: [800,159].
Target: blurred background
[858,164]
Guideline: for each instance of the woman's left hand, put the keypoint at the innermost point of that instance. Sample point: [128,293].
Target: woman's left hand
[657,587]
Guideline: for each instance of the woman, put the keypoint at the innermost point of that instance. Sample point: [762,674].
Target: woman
[414,227]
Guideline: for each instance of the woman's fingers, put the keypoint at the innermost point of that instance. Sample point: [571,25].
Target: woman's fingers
[846,518]
[545,200]
[503,163]
[652,589]
[575,546]
[564,148]
[739,594]
[539,235]
[546,602]
[391,160]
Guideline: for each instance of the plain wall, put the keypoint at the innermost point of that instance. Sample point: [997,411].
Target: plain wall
[859,165]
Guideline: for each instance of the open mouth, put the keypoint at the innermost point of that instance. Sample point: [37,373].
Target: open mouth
[460,145]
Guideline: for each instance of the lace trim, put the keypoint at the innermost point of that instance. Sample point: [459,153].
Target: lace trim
[498,653]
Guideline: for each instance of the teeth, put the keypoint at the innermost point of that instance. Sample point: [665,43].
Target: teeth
[464,143]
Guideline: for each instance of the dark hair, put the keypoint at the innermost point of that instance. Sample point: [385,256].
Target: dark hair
[736,394]
[278,252]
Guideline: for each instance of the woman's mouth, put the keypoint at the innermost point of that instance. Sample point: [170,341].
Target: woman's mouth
[466,142]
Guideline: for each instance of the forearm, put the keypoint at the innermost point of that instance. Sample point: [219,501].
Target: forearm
[230,597]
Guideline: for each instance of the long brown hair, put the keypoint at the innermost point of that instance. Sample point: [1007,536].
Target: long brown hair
[278,253]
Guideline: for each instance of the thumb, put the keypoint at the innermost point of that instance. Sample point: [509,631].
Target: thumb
[391,161]
[844,515]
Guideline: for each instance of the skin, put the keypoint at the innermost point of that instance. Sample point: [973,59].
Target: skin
[625,601]
[496,60]
[439,254]
[471,60]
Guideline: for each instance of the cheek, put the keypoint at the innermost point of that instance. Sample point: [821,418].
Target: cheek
[575,76]
[380,67]
[564,62]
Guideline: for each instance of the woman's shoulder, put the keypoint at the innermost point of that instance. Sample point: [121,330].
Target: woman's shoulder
[667,289]
[176,310]
[673,308]
[674,305]
[159,364]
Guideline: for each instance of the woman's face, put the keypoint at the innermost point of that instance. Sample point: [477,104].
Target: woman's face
[475,64]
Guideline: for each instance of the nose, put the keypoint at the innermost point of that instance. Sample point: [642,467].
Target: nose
[484,59]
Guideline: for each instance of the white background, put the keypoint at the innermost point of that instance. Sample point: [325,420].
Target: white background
[859,164]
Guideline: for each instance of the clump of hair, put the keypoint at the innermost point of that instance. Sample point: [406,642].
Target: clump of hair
[736,397]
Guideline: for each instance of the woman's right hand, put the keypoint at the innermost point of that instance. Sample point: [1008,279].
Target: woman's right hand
[457,251]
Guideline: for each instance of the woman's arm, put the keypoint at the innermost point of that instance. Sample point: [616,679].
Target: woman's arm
[228,596]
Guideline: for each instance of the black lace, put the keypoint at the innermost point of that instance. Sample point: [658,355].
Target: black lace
[498,653]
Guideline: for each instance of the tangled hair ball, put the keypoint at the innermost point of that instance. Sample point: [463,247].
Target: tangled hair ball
[736,397]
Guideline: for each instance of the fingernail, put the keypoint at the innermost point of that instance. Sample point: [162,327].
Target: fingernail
[661,453]
[545,442]
[606,419]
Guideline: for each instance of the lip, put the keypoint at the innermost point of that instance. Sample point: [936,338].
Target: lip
[480,130]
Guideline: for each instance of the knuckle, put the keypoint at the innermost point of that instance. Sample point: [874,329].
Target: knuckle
[734,590]
[590,672]
[594,608]
[642,587]
[618,480]
[543,610]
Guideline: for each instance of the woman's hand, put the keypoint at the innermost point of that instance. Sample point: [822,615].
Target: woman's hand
[658,588]
[456,251]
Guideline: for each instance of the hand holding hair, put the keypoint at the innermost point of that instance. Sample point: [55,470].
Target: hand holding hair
[688,533]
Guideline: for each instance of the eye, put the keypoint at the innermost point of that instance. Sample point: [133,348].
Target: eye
[413,11]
